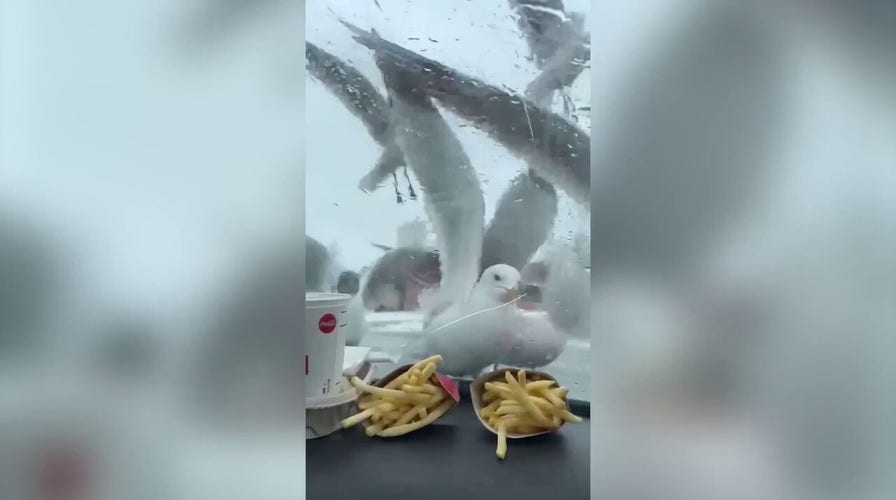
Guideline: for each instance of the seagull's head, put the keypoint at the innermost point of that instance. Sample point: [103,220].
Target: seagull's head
[501,282]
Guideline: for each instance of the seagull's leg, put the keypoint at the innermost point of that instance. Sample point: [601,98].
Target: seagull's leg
[411,191]
[395,185]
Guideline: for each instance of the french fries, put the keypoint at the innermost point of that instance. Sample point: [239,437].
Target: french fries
[409,402]
[521,406]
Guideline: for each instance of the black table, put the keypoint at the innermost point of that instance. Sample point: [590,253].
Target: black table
[453,458]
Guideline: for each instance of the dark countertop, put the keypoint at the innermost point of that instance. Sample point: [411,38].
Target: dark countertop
[454,458]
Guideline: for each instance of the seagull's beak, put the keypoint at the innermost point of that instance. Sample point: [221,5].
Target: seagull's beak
[512,293]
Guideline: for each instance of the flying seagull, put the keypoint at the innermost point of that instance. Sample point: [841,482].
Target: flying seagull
[558,150]
[452,196]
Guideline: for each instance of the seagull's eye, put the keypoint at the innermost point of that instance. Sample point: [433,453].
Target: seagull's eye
[497,277]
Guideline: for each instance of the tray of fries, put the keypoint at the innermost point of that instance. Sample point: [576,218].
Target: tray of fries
[516,404]
[407,399]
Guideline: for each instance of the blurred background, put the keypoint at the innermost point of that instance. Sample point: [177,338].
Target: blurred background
[151,179]
[151,183]
[743,249]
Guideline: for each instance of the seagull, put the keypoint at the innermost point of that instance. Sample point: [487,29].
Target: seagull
[356,320]
[361,97]
[523,219]
[396,279]
[556,149]
[558,42]
[536,341]
[474,333]
[452,195]
[566,293]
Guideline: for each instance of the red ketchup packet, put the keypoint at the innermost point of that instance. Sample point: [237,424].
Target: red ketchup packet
[449,385]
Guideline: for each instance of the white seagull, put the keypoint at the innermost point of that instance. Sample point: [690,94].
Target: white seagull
[476,332]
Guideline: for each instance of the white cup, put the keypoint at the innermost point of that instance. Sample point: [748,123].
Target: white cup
[325,327]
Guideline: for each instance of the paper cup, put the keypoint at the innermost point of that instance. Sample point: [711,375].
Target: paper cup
[325,326]
[325,417]
[445,382]
[477,389]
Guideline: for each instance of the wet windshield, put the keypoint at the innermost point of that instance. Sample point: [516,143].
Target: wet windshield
[447,179]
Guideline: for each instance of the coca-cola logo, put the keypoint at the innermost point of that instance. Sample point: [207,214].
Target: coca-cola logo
[327,323]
